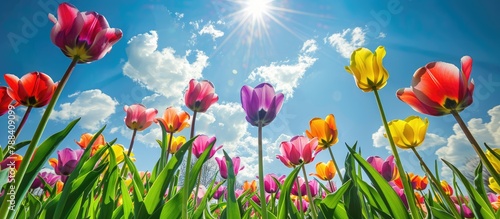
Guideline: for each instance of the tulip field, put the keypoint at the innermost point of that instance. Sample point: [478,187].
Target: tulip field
[100,179]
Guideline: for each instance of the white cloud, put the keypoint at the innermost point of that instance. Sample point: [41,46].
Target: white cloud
[210,30]
[458,149]
[162,71]
[346,46]
[179,16]
[285,76]
[431,140]
[381,35]
[93,106]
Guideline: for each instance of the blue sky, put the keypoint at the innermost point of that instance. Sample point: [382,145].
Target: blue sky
[299,46]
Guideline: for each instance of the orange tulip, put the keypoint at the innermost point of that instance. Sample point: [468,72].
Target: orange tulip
[418,182]
[59,186]
[448,190]
[173,120]
[325,130]
[325,171]
[85,140]
[12,161]
[250,186]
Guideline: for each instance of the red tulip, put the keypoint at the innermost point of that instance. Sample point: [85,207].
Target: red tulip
[200,95]
[5,100]
[82,35]
[34,89]
[439,88]
[12,161]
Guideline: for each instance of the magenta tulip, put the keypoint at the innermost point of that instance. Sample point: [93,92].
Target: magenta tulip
[223,166]
[386,168]
[270,184]
[200,95]
[298,150]
[220,192]
[85,36]
[261,104]
[201,143]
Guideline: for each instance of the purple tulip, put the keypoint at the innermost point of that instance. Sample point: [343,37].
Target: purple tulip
[270,184]
[313,186]
[201,143]
[386,168]
[49,178]
[219,192]
[223,166]
[261,104]
[305,205]
[67,160]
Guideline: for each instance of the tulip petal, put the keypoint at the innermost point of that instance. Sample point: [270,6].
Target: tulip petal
[408,96]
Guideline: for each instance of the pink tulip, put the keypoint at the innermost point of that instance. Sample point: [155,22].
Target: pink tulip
[270,184]
[313,186]
[223,166]
[138,117]
[201,143]
[200,95]
[298,150]
[85,36]
[220,192]
[386,168]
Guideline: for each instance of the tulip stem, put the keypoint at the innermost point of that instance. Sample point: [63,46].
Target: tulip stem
[261,176]
[197,187]
[168,147]
[299,193]
[336,166]
[131,143]
[408,190]
[185,197]
[21,192]
[437,185]
[476,146]
[309,194]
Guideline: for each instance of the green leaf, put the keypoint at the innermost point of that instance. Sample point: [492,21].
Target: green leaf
[233,210]
[285,205]
[127,201]
[4,176]
[390,198]
[352,201]
[480,204]
[109,182]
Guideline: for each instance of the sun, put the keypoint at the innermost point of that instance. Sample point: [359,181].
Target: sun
[256,9]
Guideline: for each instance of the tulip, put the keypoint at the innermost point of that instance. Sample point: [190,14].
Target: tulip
[174,120]
[298,150]
[465,210]
[138,117]
[12,161]
[400,192]
[494,200]
[223,167]
[301,205]
[118,151]
[261,104]
[493,184]
[386,168]
[85,141]
[495,162]
[313,186]
[67,159]
[418,182]
[270,184]
[408,133]
[201,143]
[177,143]
[34,89]
[220,192]
[325,171]
[5,101]
[448,190]
[200,95]
[367,69]
[47,177]
[324,130]
[439,88]
[85,36]
[250,186]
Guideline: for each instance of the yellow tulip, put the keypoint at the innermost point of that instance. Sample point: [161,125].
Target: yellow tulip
[118,150]
[177,143]
[367,69]
[325,171]
[494,185]
[409,133]
[495,162]
[324,130]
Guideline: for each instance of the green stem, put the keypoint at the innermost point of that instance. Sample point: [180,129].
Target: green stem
[261,176]
[131,143]
[476,146]
[408,190]
[168,147]
[197,187]
[299,192]
[336,166]
[438,186]
[309,194]
[4,210]
[185,197]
